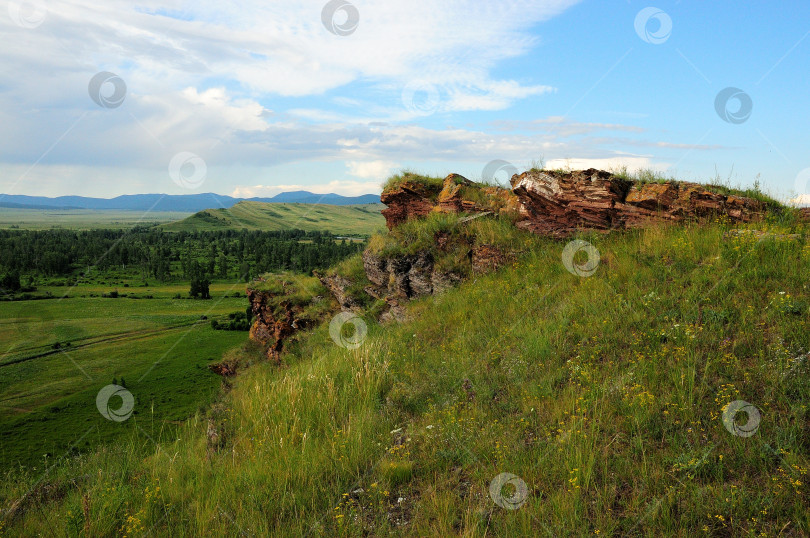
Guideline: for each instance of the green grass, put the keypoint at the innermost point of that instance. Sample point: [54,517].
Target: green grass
[432,182]
[296,290]
[340,220]
[416,236]
[58,353]
[603,394]
[716,184]
[83,219]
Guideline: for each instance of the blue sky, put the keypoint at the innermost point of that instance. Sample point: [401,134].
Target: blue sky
[334,97]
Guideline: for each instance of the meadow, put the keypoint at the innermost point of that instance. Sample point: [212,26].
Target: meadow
[82,219]
[601,397]
[58,353]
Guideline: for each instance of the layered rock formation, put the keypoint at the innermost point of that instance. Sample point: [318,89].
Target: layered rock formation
[406,277]
[285,306]
[550,203]
[408,200]
[339,286]
[560,203]
[416,198]
[270,329]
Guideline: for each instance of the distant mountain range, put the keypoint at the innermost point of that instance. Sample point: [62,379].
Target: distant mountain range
[175,202]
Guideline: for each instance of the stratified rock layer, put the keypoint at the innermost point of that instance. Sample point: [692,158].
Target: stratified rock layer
[561,203]
[271,327]
[416,199]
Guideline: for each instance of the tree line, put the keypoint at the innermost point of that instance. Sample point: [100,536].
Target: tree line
[167,256]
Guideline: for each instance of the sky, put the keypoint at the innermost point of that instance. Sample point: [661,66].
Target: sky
[123,97]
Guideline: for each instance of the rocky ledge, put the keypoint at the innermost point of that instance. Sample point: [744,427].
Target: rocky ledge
[557,203]
[395,268]
[561,203]
[415,198]
[283,306]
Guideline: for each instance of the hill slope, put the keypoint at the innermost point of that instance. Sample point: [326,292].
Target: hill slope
[602,397]
[342,220]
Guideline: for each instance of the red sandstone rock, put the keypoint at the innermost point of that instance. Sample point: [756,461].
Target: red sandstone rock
[271,326]
[413,199]
[406,201]
[560,203]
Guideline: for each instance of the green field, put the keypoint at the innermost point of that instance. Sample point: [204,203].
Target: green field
[58,353]
[82,219]
[340,220]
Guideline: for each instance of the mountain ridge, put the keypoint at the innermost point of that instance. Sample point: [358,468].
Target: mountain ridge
[175,202]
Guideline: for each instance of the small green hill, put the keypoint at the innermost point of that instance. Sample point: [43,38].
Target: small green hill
[350,220]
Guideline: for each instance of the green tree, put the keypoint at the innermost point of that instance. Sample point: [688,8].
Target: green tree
[200,282]
[10,281]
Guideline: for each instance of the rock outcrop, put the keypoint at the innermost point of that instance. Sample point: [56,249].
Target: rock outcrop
[407,277]
[552,203]
[408,200]
[283,306]
[403,276]
[271,327]
[561,203]
[339,286]
[416,198]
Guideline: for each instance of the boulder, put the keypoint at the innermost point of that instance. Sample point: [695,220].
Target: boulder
[407,200]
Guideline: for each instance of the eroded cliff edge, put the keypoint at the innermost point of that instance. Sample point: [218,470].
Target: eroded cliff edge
[442,231]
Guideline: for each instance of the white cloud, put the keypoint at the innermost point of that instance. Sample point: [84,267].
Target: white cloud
[281,48]
[803,200]
[201,77]
[378,170]
[632,163]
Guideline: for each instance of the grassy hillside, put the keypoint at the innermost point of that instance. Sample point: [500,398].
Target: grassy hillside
[348,220]
[603,395]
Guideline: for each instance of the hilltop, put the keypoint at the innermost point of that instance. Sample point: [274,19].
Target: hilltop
[563,357]
[341,220]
